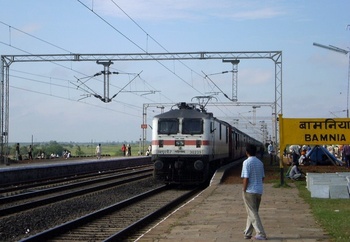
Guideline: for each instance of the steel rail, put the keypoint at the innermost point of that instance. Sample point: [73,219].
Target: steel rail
[60,197]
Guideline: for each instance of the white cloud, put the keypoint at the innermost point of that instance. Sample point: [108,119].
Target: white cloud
[188,10]
[256,76]
[255,14]
[30,27]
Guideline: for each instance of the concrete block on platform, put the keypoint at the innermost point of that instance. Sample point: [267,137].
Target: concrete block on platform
[319,178]
[343,174]
[320,191]
[328,185]
[338,191]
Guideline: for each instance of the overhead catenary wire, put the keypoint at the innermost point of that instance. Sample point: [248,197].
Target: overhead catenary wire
[149,36]
[134,43]
[33,36]
[56,46]
[41,40]
[90,104]
[206,76]
[57,85]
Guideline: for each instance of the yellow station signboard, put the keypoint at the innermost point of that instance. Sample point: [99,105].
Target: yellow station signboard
[314,131]
[309,131]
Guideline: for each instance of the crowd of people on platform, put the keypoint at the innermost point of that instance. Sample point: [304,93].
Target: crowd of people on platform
[300,153]
[300,156]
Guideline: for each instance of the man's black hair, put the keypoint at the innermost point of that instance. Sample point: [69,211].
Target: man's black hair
[251,149]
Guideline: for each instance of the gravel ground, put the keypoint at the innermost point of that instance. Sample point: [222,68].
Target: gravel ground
[17,227]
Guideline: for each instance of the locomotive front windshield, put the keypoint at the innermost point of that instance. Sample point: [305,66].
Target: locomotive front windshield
[192,126]
[168,126]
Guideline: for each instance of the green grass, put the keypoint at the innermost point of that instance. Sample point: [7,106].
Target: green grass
[332,214]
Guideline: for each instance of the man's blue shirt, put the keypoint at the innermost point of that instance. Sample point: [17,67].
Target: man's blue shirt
[253,169]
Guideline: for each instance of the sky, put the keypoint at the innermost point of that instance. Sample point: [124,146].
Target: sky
[54,101]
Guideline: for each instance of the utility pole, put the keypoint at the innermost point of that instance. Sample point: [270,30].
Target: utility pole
[345,52]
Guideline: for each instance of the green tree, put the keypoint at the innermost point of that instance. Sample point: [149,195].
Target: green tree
[79,152]
[52,148]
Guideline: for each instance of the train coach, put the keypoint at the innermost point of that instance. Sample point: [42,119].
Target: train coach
[189,144]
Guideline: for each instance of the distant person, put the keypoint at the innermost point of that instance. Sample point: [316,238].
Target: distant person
[302,158]
[124,149]
[330,149]
[66,154]
[129,150]
[17,152]
[336,151]
[295,173]
[271,151]
[30,152]
[346,154]
[149,150]
[253,176]
[98,151]
[295,150]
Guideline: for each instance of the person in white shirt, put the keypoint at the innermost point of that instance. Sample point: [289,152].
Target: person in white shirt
[271,151]
[98,151]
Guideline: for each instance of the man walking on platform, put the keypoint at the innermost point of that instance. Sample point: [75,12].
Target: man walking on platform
[253,176]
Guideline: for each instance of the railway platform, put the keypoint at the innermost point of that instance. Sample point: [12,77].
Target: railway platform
[218,215]
[26,171]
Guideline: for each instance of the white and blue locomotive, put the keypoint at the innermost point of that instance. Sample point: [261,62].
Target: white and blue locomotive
[189,144]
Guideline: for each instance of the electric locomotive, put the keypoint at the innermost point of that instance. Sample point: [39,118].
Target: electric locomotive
[189,144]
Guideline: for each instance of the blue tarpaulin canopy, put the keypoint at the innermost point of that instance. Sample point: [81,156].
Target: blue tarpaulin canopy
[319,155]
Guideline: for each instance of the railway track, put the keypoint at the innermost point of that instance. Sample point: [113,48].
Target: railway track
[119,221]
[27,197]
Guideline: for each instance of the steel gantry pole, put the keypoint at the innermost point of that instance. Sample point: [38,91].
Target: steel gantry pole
[4,116]
[234,78]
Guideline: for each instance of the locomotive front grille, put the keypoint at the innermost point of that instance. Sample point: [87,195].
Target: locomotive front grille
[193,171]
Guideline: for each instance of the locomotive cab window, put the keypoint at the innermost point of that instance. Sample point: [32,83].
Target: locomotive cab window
[192,126]
[168,126]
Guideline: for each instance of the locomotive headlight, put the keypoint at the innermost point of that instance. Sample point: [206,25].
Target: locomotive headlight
[158,165]
[198,165]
